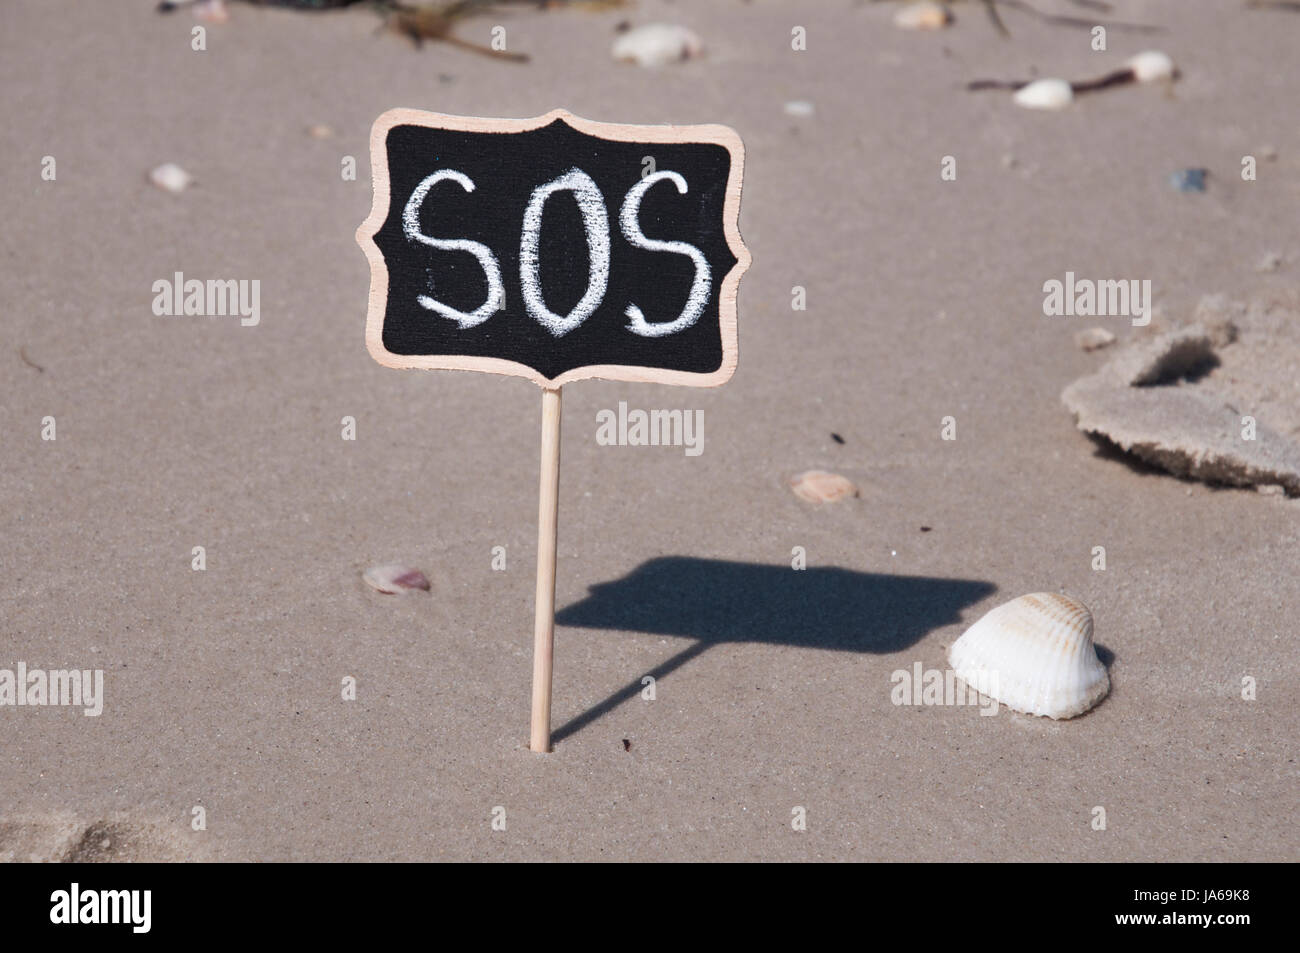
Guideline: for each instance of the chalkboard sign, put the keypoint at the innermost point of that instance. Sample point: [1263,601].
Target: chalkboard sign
[554,248]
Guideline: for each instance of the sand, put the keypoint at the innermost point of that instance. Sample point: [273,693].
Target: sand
[1187,401]
[223,687]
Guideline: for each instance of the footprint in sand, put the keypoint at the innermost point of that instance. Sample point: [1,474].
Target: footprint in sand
[65,838]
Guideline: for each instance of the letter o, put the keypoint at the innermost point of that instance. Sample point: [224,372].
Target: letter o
[595,221]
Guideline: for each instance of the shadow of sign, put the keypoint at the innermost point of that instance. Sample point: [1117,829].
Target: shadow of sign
[715,601]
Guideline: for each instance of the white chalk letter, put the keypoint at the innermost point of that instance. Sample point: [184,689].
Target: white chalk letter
[596,221]
[491,269]
[703,282]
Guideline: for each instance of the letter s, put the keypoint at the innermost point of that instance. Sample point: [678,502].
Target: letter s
[496,295]
[703,282]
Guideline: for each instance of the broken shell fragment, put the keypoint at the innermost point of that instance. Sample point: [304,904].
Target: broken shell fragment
[922,15]
[395,579]
[818,486]
[1093,339]
[1151,66]
[1044,94]
[211,11]
[170,177]
[1035,655]
[657,44]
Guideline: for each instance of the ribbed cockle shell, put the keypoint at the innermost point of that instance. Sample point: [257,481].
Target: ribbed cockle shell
[1034,654]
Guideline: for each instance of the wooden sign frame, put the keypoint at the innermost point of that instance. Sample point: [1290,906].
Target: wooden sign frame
[650,134]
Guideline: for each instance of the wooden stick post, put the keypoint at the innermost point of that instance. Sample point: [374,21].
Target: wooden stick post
[548,504]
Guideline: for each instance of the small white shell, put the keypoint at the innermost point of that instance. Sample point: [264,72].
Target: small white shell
[395,579]
[1044,94]
[1034,654]
[799,107]
[922,15]
[657,44]
[1151,66]
[818,486]
[170,177]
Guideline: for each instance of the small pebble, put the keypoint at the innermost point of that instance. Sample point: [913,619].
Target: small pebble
[657,44]
[395,579]
[1270,262]
[1044,94]
[799,107]
[320,131]
[818,486]
[922,15]
[1268,153]
[1188,180]
[170,177]
[1094,339]
[211,11]
[1009,161]
[1271,489]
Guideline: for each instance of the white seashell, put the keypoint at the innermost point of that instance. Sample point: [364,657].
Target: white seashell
[1151,66]
[1044,94]
[799,107]
[170,177]
[922,15]
[1034,654]
[657,44]
[395,579]
[818,486]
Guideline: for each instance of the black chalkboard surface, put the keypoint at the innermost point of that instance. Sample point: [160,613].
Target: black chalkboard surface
[554,248]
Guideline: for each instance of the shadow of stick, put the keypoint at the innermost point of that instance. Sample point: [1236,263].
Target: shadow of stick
[630,690]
